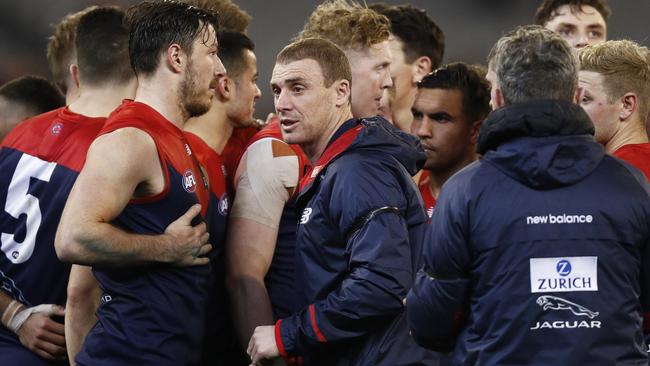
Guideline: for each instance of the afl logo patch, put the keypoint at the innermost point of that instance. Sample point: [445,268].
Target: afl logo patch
[57,128]
[223,204]
[189,181]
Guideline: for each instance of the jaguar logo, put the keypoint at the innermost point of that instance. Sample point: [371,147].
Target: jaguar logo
[548,302]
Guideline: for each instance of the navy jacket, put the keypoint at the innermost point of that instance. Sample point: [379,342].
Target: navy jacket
[537,254]
[357,252]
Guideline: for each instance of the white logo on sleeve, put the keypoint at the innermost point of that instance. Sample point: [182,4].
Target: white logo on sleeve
[306,213]
[564,274]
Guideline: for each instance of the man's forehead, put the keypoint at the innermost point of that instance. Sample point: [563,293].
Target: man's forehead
[590,78]
[306,69]
[439,97]
[585,13]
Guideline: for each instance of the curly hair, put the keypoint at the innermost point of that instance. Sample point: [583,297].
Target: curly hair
[346,24]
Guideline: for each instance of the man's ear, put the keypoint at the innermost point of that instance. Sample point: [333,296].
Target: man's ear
[342,92]
[629,105]
[498,100]
[74,74]
[175,58]
[476,128]
[225,88]
[421,68]
[577,97]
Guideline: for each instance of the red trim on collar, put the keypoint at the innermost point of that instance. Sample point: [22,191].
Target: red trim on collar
[331,152]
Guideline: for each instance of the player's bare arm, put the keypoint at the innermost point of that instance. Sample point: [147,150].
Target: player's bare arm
[122,165]
[262,180]
[82,302]
[250,248]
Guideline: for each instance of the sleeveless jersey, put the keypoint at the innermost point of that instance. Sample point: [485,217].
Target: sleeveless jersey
[39,160]
[153,314]
[219,346]
[233,151]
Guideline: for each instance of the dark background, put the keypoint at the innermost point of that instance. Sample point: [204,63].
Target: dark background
[471,28]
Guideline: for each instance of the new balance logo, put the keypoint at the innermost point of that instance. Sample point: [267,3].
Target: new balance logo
[306,213]
[559,219]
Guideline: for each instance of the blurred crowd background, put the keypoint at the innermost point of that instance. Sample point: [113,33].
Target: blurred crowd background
[471,27]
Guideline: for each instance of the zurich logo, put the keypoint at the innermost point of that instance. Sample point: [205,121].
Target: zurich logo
[563,267]
[189,181]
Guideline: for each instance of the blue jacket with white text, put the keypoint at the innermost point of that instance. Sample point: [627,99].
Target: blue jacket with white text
[537,254]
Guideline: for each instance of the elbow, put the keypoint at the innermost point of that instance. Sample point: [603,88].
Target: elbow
[66,245]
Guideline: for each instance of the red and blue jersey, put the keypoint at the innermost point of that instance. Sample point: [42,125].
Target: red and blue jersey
[219,346]
[39,160]
[235,146]
[153,314]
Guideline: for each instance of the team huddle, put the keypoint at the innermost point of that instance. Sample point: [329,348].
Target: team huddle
[392,211]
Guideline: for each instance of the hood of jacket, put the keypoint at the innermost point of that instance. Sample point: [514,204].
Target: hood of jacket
[543,144]
[381,136]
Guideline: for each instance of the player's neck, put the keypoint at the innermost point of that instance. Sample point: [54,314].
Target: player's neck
[632,133]
[162,96]
[316,149]
[438,177]
[101,101]
[213,128]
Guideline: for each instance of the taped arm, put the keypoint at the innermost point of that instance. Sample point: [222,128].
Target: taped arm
[267,172]
[438,304]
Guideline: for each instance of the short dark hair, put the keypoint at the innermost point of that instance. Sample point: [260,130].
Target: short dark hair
[102,44]
[467,79]
[155,25]
[419,33]
[33,91]
[231,51]
[231,16]
[548,9]
[331,59]
[60,47]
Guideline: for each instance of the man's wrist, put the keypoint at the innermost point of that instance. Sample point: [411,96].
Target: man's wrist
[9,314]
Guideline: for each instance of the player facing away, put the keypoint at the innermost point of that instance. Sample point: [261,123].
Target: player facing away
[41,159]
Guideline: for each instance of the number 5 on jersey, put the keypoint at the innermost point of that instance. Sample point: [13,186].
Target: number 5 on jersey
[19,202]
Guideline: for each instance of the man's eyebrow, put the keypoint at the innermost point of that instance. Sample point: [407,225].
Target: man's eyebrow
[567,25]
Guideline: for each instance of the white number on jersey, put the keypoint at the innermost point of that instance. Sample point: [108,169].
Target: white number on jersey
[19,202]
